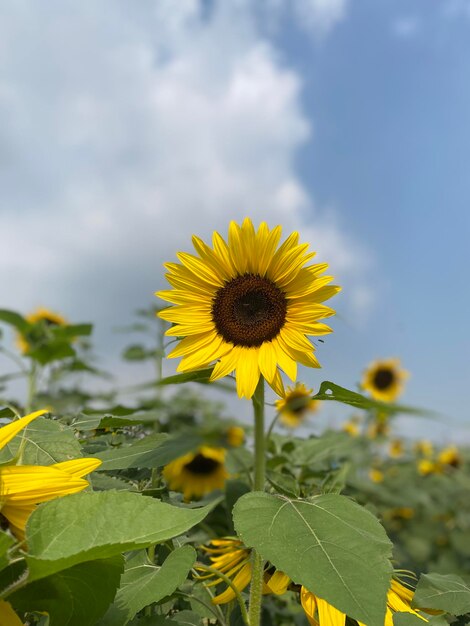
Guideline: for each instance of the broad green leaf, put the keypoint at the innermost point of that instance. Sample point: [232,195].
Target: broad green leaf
[14,319]
[78,596]
[153,451]
[330,391]
[444,592]
[143,584]
[330,544]
[187,618]
[407,619]
[51,351]
[88,526]
[43,442]
[152,620]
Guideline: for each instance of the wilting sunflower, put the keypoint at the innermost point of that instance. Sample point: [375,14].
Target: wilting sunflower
[247,305]
[230,557]
[319,612]
[40,315]
[295,405]
[22,487]
[197,473]
[384,379]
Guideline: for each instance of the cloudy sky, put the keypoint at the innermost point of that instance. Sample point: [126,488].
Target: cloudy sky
[125,127]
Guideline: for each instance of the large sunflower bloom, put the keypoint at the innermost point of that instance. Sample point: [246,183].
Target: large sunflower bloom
[384,379]
[295,405]
[22,487]
[197,473]
[247,305]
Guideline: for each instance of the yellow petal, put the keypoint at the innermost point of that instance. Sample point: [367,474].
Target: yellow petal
[240,581]
[328,615]
[78,467]
[247,372]
[13,428]
[8,617]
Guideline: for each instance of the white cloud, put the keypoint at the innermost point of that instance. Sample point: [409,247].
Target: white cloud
[128,127]
[317,17]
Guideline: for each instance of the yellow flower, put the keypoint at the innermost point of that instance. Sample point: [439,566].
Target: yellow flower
[376,475]
[247,305]
[197,473]
[384,379]
[396,449]
[235,436]
[295,405]
[22,487]
[424,448]
[319,612]
[351,427]
[425,467]
[8,617]
[40,314]
[230,557]
[449,456]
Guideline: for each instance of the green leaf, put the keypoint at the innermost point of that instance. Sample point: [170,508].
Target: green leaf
[198,376]
[88,526]
[330,391]
[444,592]
[153,451]
[187,618]
[330,446]
[43,442]
[143,584]
[51,351]
[78,596]
[14,319]
[331,545]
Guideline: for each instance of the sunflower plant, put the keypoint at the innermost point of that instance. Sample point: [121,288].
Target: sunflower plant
[155,504]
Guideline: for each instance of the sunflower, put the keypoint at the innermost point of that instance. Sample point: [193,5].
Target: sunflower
[22,487]
[235,436]
[424,448]
[230,557]
[352,427]
[319,612]
[197,473]
[384,379]
[247,305]
[449,456]
[49,318]
[396,449]
[295,405]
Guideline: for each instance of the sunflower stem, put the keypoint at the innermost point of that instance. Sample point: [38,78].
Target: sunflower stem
[256,587]
[32,381]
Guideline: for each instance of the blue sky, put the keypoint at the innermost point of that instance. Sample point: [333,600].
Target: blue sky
[127,127]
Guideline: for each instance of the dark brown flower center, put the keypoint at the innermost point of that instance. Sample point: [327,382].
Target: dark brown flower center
[383,378]
[298,403]
[202,465]
[249,310]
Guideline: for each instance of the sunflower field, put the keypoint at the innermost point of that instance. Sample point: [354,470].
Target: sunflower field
[165,509]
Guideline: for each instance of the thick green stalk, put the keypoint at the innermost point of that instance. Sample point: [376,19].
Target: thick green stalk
[256,588]
[32,381]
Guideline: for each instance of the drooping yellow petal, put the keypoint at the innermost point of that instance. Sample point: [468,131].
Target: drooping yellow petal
[13,428]
[30,484]
[247,373]
[240,581]
[328,615]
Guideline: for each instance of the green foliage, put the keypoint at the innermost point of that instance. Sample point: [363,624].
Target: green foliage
[443,592]
[329,544]
[144,583]
[77,596]
[89,526]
